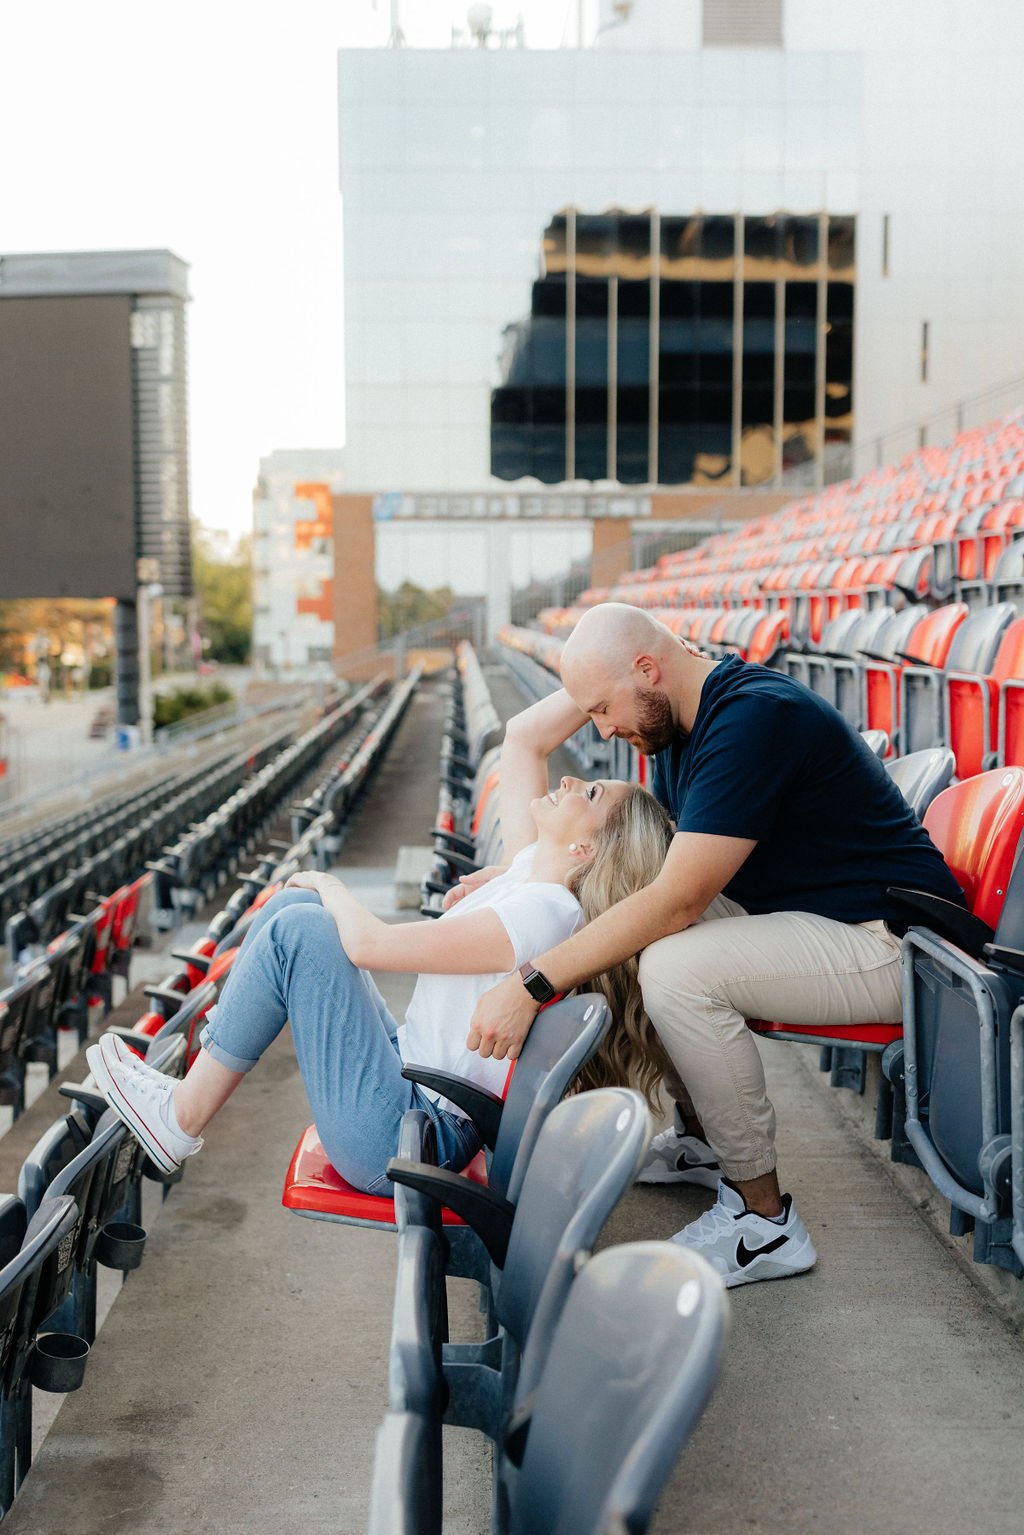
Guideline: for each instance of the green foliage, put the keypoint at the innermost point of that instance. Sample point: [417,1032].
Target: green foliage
[411,605]
[169,708]
[224,590]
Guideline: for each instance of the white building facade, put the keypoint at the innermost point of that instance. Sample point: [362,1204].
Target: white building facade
[522,227]
[293,561]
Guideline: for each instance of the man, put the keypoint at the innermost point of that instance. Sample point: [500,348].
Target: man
[772,904]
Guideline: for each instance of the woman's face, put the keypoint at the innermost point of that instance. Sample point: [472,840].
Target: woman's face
[577,810]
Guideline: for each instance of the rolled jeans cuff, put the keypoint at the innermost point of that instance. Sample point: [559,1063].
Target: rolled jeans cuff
[220,1055]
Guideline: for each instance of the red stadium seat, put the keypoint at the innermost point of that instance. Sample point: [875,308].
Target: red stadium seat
[977,827]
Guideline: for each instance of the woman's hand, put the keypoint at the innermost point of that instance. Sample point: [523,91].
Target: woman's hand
[313,879]
[468,882]
[502,1019]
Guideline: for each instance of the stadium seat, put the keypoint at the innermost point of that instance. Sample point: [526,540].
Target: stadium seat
[91,1169]
[974,702]
[976,826]
[634,1358]
[560,1043]
[954,1068]
[924,689]
[922,775]
[587,1155]
[29,1282]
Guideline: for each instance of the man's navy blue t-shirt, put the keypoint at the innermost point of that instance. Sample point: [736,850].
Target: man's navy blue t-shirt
[769,760]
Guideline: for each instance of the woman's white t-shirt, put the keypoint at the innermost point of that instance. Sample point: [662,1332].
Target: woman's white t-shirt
[536,916]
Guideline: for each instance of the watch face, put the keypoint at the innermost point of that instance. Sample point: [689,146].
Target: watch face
[539,988]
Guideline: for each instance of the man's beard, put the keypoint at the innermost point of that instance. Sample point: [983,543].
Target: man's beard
[655,728]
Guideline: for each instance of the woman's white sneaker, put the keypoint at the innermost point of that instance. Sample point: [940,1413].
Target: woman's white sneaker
[743,1247]
[675,1157]
[144,1100]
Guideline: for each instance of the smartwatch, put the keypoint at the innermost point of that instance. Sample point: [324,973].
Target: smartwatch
[539,987]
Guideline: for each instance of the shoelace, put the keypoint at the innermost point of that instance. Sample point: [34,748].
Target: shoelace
[665,1140]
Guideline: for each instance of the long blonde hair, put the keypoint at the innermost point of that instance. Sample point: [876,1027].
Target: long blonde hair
[629,852]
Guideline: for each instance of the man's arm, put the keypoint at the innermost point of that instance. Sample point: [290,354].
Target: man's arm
[697,868]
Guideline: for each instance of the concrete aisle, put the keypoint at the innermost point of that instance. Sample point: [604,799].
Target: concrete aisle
[238,1380]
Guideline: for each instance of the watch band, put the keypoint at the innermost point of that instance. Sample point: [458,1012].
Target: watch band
[538,985]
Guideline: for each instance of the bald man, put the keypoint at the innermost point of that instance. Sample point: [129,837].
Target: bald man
[772,904]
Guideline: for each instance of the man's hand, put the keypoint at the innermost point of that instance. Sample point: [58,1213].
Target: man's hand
[502,1020]
[468,882]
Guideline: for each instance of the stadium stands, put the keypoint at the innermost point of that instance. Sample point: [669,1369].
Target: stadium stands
[898,598]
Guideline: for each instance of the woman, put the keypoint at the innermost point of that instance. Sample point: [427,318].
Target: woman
[571,853]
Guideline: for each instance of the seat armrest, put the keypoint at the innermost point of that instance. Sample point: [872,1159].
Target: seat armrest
[950,921]
[483,1107]
[486,1212]
[197,961]
[999,954]
[89,1096]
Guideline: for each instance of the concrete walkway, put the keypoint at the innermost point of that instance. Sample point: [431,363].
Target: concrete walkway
[238,1379]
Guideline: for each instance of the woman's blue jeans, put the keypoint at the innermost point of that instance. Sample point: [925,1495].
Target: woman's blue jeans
[292,966]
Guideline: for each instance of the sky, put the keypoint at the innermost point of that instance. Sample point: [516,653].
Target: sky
[211,129]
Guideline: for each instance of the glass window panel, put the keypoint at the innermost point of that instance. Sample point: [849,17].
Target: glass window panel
[633,362]
[841,246]
[757,453]
[762,247]
[555,256]
[799,434]
[591,404]
[838,380]
[549,435]
[596,244]
[549,297]
[634,246]
[800,245]
[697,247]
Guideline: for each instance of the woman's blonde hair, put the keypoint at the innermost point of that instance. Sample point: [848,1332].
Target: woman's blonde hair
[628,854]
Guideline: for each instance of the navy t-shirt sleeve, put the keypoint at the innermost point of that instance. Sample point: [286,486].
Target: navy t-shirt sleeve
[746,761]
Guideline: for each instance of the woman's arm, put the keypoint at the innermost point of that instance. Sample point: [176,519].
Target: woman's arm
[530,738]
[474,944]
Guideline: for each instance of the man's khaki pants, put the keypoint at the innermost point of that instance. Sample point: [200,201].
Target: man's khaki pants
[700,986]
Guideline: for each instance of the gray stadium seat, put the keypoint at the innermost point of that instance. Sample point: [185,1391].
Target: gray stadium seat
[586,1157]
[922,775]
[632,1362]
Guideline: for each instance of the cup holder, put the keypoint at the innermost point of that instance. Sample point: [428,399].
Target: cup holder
[120,1245]
[58,1361]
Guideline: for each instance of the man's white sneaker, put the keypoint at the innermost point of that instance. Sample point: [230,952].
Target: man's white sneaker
[675,1157]
[143,1099]
[743,1247]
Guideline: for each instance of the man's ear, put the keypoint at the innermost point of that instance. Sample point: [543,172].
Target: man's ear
[649,669]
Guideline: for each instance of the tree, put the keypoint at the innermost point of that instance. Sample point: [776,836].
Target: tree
[410,605]
[223,583]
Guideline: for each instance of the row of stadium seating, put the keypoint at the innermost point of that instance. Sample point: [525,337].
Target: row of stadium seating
[189,872]
[944,522]
[962,1105]
[39,896]
[79,1200]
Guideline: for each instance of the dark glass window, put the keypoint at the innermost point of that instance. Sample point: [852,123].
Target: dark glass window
[799,395]
[633,395]
[757,419]
[793,276]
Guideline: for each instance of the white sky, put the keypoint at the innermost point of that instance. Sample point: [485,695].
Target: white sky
[211,129]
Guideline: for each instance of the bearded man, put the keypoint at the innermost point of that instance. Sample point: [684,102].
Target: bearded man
[772,903]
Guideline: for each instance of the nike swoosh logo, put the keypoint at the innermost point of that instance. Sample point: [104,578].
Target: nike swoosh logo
[745,1254]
